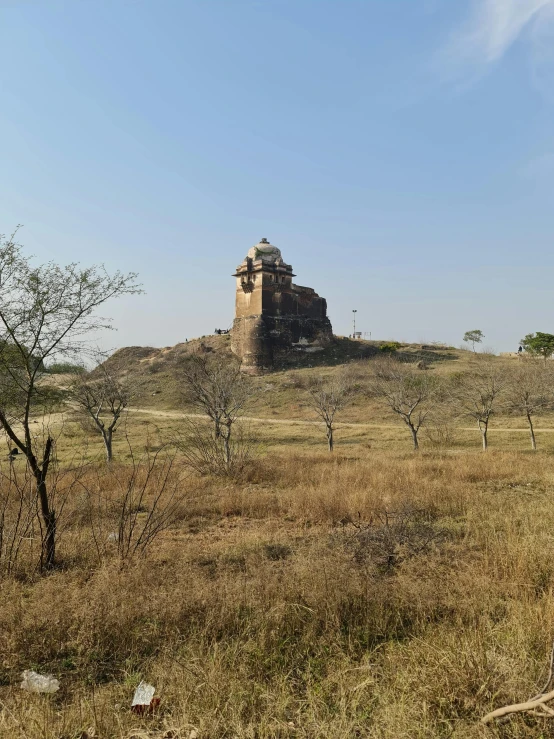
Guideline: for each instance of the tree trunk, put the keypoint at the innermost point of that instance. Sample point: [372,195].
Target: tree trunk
[484,430]
[108,438]
[532,432]
[330,440]
[414,438]
[226,434]
[48,551]
[48,514]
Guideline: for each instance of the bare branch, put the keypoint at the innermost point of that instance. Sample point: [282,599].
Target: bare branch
[100,398]
[45,311]
[529,391]
[408,392]
[219,389]
[476,394]
[326,398]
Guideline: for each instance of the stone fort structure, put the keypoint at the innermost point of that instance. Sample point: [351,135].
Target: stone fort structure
[273,316]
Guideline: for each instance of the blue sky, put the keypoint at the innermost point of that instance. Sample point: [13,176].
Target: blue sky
[399,152]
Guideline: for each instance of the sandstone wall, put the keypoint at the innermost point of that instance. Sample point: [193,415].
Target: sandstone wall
[261,339]
[273,316]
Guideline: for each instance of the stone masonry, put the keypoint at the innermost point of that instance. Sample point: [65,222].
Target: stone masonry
[273,316]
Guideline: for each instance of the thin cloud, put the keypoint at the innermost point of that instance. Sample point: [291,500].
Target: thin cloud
[492,28]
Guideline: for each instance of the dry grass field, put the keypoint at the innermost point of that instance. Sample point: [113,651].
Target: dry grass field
[372,592]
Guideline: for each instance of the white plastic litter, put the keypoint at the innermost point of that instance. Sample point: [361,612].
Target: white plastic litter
[143,694]
[36,683]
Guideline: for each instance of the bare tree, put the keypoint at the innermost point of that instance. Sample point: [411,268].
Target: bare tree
[529,391]
[409,393]
[326,398]
[217,388]
[101,398]
[45,312]
[476,394]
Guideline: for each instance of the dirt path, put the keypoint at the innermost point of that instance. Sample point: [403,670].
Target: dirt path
[302,422]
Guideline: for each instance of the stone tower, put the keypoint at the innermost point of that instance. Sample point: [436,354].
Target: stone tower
[273,316]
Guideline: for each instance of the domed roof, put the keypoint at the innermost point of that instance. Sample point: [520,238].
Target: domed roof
[265,251]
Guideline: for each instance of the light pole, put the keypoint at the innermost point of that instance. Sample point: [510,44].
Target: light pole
[354,322]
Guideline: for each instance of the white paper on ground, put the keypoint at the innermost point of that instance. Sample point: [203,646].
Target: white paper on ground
[143,694]
[36,683]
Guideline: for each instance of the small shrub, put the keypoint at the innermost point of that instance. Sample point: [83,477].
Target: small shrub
[275,552]
[297,381]
[130,507]
[65,368]
[395,536]
[155,367]
[389,347]
[440,434]
[210,454]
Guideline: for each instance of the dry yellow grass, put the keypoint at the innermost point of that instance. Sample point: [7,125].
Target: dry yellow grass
[370,593]
[284,606]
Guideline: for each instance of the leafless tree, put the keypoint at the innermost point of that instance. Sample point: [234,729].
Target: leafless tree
[530,391]
[45,313]
[216,387]
[409,393]
[327,397]
[477,394]
[101,399]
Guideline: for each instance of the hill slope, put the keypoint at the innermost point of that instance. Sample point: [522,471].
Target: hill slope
[154,373]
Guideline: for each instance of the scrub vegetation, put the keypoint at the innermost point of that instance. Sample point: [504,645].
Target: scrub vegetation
[372,591]
[364,593]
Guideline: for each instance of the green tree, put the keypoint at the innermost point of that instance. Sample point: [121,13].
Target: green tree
[45,312]
[474,337]
[540,344]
